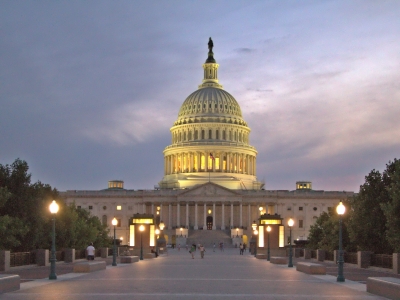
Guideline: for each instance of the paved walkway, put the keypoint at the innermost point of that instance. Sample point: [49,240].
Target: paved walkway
[220,275]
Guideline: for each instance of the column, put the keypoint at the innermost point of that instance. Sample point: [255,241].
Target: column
[232,216]
[241,218]
[144,208]
[178,215]
[228,161]
[205,217]
[169,225]
[213,162]
[191,161]
[249,217]
[196,227]
[223,217]
[214,221]
[152,209]
[187,215]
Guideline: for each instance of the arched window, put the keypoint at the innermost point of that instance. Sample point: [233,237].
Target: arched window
[210,134]
[203,134]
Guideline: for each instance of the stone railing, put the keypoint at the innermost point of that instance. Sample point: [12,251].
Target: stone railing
[363,259]
[41,257]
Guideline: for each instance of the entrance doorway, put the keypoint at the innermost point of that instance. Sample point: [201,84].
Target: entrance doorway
[209,223]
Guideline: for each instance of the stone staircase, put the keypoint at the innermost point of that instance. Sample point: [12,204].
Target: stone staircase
[209,237]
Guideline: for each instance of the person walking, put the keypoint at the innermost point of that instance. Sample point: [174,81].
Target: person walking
[179,247]
[202,250]
[241,249]
[192,250]
[214,247]
[90,252]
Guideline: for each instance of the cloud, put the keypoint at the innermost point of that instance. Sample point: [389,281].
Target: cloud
[130,124]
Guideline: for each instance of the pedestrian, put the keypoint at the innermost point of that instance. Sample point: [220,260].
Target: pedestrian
[179,247]
[244,247]
[202,250]
[192,250]
[90,252]
[214,247]
[222,244]
[241,249]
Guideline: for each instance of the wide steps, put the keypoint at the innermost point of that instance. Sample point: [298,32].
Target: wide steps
[209,237]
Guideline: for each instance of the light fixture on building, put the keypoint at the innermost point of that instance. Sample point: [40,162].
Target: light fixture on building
[209,211]
[260,209]
[162,225]
[254,225]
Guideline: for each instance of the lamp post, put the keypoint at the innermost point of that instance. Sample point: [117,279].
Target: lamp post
[255,248]
[340,209]
[268,253]
[290,223]
[114,222]
[260,209]
[53,209]
[141,228]
[253,237]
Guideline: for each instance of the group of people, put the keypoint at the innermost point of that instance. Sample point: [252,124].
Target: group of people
[193,250]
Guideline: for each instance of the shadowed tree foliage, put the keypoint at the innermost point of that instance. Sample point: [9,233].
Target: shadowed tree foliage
[372,217]
[391,209]
[324,234]
[25,222]
[367,224]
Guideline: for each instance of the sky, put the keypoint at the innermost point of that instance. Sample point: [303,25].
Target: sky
[90,89]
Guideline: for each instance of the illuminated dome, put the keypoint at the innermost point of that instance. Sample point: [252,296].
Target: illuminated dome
[210,102]
[210,139]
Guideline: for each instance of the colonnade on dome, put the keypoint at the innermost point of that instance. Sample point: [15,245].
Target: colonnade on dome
[209,161]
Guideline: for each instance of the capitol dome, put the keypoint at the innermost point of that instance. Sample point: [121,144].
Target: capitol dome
[210,139]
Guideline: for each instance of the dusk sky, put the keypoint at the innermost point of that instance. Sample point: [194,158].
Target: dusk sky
[90,89]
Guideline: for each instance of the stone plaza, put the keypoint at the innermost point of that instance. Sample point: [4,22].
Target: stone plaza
[175,275]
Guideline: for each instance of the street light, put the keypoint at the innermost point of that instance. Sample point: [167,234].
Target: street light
[268,253]
[290,223]
[340,209]
[141,228]
[53,209]
[260,209]
[114,222]
[255,248]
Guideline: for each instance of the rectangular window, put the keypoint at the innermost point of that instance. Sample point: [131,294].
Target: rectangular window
[300,223]
[210,134]
[129,207]
[217,135]
[79,206]
[289,208]
[301,208]
[119,207]
[90,207]
[119,223]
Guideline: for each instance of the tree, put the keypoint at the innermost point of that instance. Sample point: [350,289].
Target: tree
[391,209]
[324,234]
[367,224]
[25,222]
[12,230]
[27,203]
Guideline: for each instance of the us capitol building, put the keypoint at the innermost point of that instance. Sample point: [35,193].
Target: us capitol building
[209,192]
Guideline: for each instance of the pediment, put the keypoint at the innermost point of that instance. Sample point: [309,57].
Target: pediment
[209,189]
